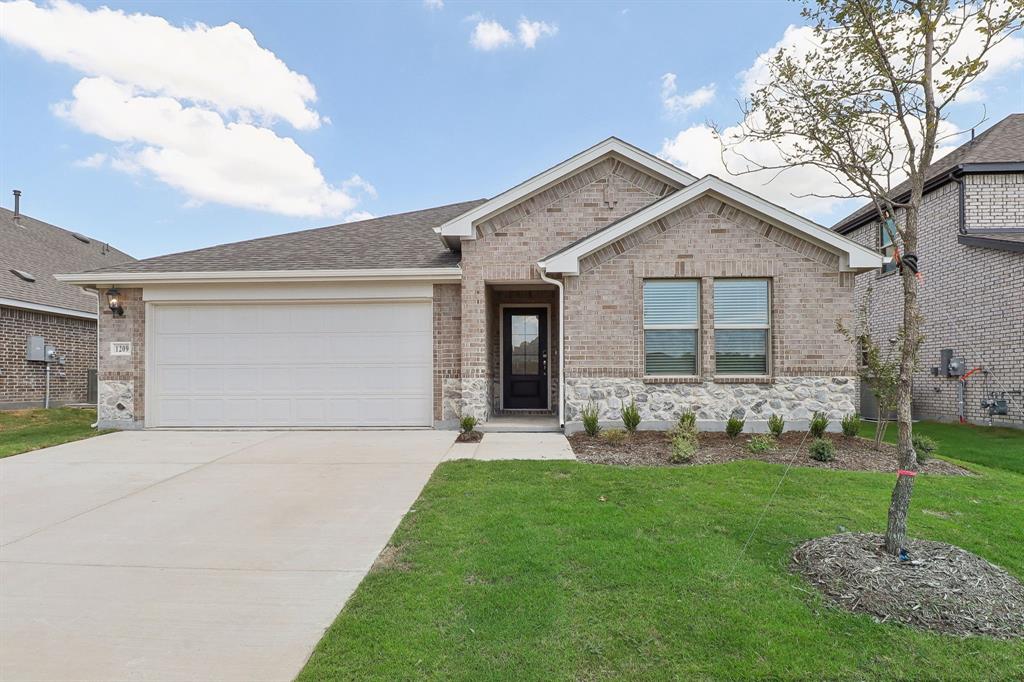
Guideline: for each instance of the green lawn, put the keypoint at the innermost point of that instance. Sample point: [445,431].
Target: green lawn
[24,430]
[571,571]
[992,446]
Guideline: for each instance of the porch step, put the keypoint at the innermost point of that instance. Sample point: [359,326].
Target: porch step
[521,424]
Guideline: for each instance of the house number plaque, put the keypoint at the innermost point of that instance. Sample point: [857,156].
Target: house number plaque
[120,348]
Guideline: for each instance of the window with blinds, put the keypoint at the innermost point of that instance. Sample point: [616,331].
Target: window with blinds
[671,324]
[742,323]
[886,247]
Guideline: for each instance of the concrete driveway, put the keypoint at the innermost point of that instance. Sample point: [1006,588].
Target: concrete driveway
[167,555]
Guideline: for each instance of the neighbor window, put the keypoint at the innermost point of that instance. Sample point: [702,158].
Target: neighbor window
[886,247]
[741,326]
[671,321]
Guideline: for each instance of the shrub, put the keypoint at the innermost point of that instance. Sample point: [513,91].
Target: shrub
[734,427]
[688,421]
[684,446]
[819,422]
[925,447]
[776,425]
[467,424]
[589,416]
[631,416]
[614,436]
[762,443]
[851,425]
[822,450]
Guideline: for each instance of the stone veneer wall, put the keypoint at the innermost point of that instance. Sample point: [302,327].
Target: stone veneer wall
[121,378]
[970,298]
[660,404]
[23,383]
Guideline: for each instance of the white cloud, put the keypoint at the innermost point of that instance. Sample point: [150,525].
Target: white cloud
[358,184]
[93,161]
[433,4]
[675,104]
[198,152]
[489,35]
[356,216]
[697,150]
[193,106]
[532,31]
[219,66]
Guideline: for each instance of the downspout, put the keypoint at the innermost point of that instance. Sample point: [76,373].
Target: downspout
[561,343]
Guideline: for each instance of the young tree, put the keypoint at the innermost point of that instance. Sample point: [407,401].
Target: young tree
[868,104]
[878,369]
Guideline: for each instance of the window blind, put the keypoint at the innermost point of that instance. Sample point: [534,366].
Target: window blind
[741,326]
[671,319]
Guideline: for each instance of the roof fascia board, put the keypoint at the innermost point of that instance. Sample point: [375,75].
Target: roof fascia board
[40,308]
[935,183]
[463,226]
[245,276]
[853,256]
[990,243]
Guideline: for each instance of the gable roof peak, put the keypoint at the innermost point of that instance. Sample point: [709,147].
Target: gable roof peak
[463,226]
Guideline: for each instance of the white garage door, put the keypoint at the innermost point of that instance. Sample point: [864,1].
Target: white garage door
[291,364]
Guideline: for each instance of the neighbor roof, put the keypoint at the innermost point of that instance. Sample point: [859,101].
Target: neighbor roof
[854,256]
[42,250]
[1002,143]
[403,240]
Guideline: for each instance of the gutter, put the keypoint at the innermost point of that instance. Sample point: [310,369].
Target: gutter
[561,342]
[452,274]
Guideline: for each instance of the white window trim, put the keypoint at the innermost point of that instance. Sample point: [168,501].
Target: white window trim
[660,327]
[769,347]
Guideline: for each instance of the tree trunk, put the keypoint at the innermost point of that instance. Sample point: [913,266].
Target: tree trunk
[896,530]
[880,426]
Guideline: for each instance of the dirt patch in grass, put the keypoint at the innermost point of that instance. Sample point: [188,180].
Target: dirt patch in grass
[941,588]
[652,448]
[390,559]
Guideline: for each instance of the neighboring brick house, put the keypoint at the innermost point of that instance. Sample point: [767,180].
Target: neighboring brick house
[612,276]
[33,303]
[971,255]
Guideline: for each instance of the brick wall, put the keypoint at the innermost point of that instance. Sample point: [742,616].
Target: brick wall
[447,348]
[510,244]
[706,240]
[23,382]
[970,298]
[122,378]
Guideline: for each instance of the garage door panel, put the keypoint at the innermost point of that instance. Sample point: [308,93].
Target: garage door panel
[338,364]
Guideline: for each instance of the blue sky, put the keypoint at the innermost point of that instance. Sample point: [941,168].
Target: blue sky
[416,105]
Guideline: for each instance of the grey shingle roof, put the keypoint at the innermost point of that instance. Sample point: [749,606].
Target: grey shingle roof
[403,240]
[44,250]
[1002,143]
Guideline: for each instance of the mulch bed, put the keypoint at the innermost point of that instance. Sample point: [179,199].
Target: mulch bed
[469,437]
[652,448]
[942,588]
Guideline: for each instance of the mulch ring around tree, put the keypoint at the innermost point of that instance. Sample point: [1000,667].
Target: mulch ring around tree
[942,588]
[469,436]
[653,448]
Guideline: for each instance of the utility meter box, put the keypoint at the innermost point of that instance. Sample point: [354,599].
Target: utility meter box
[35,349]
[51,354]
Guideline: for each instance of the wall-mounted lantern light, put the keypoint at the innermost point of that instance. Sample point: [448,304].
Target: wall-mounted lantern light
[114,301]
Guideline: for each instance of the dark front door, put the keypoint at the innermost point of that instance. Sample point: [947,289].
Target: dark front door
[524,359]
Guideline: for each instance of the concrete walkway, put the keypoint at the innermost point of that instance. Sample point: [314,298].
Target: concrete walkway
[181,556]
[495,446]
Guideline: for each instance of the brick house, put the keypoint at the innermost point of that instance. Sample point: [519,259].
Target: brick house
[971,253]
[612,276]
[34,303]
